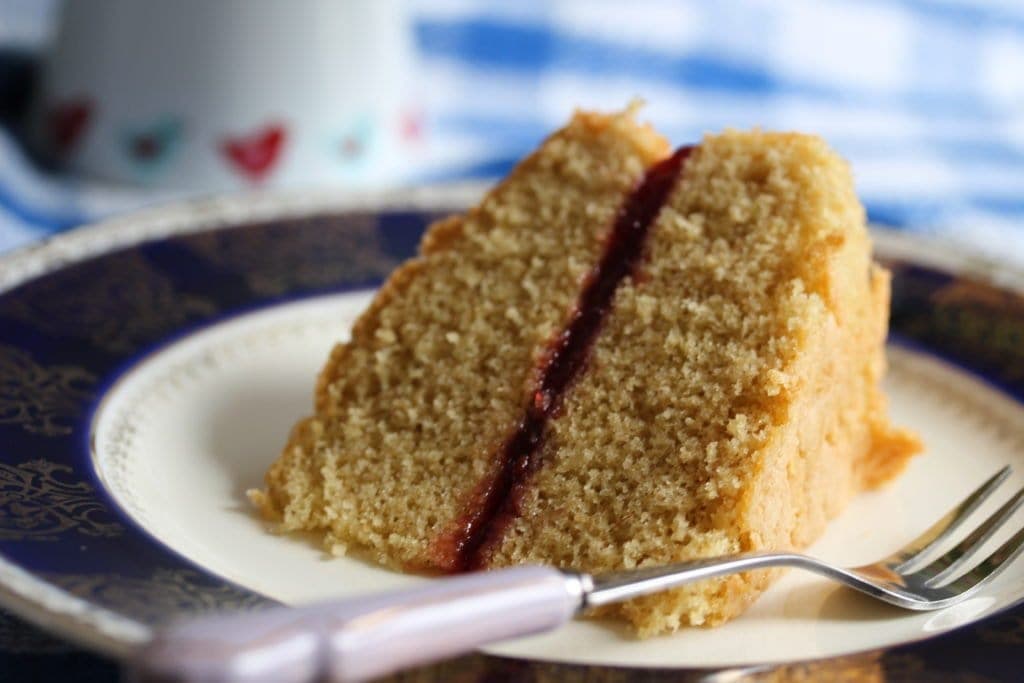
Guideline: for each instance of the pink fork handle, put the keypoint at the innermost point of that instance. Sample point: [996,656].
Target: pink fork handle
[353,640]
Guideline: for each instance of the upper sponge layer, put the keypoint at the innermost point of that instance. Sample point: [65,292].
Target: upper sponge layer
[731,402]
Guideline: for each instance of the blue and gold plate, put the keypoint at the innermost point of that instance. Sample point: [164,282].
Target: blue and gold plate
[150,368]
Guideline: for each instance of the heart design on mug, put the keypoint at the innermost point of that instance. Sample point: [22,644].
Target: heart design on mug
[150,145]
[355,141]
[411,125]
[254,155]
[67,122]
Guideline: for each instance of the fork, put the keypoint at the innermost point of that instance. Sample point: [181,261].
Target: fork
[357,639]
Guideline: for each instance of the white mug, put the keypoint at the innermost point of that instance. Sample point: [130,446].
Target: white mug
[224,94]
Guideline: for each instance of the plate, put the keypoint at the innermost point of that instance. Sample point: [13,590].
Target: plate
[151,367]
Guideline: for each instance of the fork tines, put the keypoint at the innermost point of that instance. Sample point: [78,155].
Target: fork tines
[915,561]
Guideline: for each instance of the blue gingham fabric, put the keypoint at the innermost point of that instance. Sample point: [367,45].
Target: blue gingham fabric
[924,97]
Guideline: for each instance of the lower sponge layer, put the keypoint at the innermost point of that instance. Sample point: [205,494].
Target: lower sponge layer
[410,412]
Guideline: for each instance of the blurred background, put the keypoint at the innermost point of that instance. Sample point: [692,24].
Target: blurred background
[109,105]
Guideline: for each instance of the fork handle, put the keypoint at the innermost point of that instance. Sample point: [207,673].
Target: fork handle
[353,640]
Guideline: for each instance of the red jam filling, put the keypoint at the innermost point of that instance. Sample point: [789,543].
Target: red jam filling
[497,500]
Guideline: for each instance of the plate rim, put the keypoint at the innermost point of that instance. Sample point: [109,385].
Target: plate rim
[108,633]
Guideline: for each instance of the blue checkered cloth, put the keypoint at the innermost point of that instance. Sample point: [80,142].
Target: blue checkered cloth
[925,97]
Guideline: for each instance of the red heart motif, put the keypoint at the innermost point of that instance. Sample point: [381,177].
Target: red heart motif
[67,122]
[411,125]
[351,147]
[254,155]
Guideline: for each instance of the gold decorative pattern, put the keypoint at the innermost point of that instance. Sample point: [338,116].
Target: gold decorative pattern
[986,320]
[41,400]
[118,304]
[1004,630]
[912,668]
[40,500]
[865,668]
[277,258]
[481,667]
[20,638]
[965,292]
[167,594]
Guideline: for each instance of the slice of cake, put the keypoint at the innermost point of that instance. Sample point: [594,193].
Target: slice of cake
[622,357]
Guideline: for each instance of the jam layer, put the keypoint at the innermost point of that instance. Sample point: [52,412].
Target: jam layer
[497,499]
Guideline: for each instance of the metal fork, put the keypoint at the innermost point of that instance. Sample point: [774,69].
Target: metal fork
[353,640]
[905,578]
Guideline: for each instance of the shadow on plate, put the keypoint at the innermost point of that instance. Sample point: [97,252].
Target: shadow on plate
[826,601]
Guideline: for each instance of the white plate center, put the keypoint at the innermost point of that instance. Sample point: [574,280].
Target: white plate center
[182,436]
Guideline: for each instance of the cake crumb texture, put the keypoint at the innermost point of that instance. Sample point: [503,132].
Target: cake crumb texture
[732,402]
[438,370]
